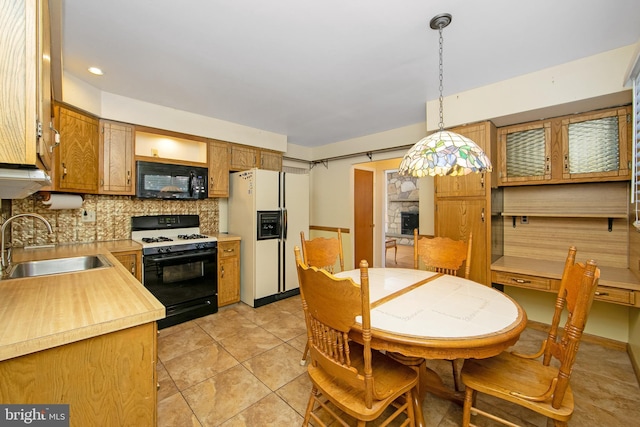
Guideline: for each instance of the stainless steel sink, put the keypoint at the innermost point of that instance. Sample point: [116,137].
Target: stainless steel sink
[57,266]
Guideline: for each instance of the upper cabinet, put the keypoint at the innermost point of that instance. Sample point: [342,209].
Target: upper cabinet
[243,157]
[116,158]
[588,147]
[218,168]
[271,160]
[76,165]
[524,153]
[597,146]
[25,119]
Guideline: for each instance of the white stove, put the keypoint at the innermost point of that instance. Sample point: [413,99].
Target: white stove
[169,234]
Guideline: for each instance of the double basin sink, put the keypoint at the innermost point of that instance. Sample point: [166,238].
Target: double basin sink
[57,266]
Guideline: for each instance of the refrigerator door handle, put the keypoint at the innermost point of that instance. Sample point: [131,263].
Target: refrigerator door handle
[284,223]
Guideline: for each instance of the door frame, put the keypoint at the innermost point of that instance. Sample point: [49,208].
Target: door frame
[373,262]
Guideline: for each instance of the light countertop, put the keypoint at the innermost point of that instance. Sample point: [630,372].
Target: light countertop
[43,312]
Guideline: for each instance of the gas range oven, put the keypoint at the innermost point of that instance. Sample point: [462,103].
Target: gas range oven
[179,265]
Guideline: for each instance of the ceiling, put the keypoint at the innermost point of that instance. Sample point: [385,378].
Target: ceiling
[326,71]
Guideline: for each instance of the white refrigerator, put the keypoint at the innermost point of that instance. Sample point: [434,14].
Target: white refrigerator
[268,210]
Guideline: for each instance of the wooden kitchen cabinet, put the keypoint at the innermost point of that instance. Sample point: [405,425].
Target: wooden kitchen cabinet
[524,153]
[25,76]
[243,157]
[76,161]
[463,204]
[587,147]
[218,154]
[132,260]
[107,380]
[116,158]
[271,160]
[597,146]
[228,272]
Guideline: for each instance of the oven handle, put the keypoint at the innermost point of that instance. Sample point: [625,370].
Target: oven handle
[169,257]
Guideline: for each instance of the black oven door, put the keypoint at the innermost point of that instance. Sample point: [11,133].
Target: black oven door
[184,282]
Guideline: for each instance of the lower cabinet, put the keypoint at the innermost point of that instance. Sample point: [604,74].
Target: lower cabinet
[228,272]
[132,260]
[108,380]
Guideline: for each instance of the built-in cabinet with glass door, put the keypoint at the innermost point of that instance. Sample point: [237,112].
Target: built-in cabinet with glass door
[586,147]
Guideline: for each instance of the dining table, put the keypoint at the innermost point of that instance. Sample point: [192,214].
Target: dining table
[418,315]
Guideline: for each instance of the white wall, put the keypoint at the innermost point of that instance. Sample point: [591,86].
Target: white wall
[120,108]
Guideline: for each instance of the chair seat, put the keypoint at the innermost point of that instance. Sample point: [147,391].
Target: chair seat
[391,379]
[500,375]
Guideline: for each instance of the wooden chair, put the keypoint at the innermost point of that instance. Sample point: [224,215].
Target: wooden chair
[443,255]
[356,380]
[535,384]
[322,252]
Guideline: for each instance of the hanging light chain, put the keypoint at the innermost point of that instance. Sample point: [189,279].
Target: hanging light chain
[441,123]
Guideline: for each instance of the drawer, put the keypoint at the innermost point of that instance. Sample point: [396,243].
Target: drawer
[228,249]
[620,296]
[524,281]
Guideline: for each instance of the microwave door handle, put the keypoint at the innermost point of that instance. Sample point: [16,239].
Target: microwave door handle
[192,179]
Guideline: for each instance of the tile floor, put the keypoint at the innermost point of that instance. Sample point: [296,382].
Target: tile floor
[241,367]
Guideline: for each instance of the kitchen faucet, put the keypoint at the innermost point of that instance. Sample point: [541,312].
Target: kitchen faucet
[6,260]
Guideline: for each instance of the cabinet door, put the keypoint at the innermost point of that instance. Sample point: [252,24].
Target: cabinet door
[23,29]
[43,111]
[524,153]
[132,261]
[597,145]
[243,157]
[77,158]
[228,273]
[474,184]
[271,160]
[218,169]
[116,158]
[455,218]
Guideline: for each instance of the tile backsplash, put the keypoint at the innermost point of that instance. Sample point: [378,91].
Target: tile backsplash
[113,218]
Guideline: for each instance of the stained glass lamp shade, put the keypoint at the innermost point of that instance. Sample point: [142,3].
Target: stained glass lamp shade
[444,153]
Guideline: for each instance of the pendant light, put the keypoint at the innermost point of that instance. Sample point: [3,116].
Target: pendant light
[443,152]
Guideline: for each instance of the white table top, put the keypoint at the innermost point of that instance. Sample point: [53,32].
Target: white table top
[445,307]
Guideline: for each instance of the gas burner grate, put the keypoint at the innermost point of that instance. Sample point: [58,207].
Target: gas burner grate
[156,239]
[191,236]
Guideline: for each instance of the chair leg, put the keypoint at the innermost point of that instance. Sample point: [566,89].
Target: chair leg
[304,355]
[469,398]
[310,405]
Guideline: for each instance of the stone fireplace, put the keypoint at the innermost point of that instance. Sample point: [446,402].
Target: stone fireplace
[402,198]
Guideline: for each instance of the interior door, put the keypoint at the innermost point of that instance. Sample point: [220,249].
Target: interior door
[363,216]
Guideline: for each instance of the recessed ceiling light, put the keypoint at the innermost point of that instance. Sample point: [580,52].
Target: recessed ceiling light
[95,70]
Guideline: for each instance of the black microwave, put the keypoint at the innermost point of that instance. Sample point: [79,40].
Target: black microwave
[169,181]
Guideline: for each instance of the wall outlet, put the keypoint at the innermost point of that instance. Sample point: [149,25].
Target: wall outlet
[89,216]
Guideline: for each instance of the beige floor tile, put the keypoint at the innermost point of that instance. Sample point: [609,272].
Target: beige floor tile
[276,367]
[191,368]
[296,392]
[270,411]
[224,327]
[250,343]
[182,342]
[175,412]
[225,395]
[167,386]
[286,327]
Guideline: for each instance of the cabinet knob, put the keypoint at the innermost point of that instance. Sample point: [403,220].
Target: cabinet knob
[222,272]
